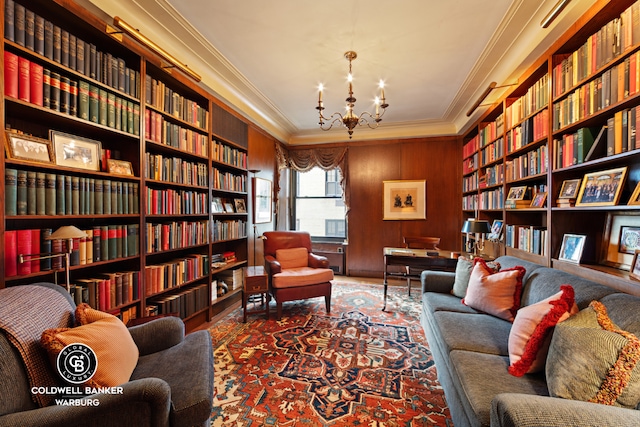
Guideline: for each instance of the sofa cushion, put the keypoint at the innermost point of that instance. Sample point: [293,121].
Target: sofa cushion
[530,334]
[434,301]
[495,293]
[463,274]
[116,356]
[292,258]
[623,311]
[473,332]
[301,276]
[591,359]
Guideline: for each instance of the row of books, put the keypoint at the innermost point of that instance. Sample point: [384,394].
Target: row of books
[232,156]
[108,291]
[492,152]
[469,148]
[176,202]
[41,193]
[228,181]
[174,273]
[537,97]
[33,32]
[470,182]
[531,163]
[185,303]
[609,42]
[226,230]
[621,131]
[470,164]
[491,131]
[493,175]
[575,148]
[492,199]
[470,202]
[612,86]
[527,238]
[176,235]
[532,129]
[176,170]
[159,130]
[103,243]
[165,99]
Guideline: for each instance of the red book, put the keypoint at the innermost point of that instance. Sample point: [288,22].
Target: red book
[11,74]
[36,72]
[35,249]
[10,251]
[24,248]
[165,237]
[24,81]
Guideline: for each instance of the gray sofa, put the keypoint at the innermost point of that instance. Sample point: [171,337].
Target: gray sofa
[470,350]
[172,384]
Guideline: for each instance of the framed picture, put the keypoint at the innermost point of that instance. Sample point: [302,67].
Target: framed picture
[30,148]
[404,200]
[517,193]
[634,271]
[240,206]
[228,207]
[216,205]
[119,167]
[539,199]
[602,188]
[261,200]
[572,246]
[496,229]
[620,239]
[570,189]
[635,197]
[76,152]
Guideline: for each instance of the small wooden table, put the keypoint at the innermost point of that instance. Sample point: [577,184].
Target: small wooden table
[426,259]
[255,283]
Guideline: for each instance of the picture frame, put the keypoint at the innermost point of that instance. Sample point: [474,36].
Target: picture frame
[119,167]
[572,247]
[26,147]
[240,205]
[539,199]
[216,205]
[517,193]
[228,207]
[261,200]
[602,188]
[611,254]
[629,240]
[634,271]
[76,152]
[404,200]
[635,196]
[569,189]
[496,230]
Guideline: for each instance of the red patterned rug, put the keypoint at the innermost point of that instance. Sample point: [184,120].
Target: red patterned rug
[356,366]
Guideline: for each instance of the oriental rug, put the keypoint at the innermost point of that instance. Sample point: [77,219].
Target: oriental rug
[356,366]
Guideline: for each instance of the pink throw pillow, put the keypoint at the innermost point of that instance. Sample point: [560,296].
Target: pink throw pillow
[495,293]
[532,329]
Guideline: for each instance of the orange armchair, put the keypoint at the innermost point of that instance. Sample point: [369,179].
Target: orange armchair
[295,272]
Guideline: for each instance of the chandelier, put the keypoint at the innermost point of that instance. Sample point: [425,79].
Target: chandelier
[350,120]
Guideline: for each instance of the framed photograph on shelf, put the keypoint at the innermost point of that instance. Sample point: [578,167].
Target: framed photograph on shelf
[261,200]
[240,205]
[635,197]
[634,271]
[119,167]
[76,152]
[216,205]
[404,200]
[572,247]
[620,239]
[496,229]
[27,147]
[228,207]
[539,199]
[517,193]
[602,188]
[570,188]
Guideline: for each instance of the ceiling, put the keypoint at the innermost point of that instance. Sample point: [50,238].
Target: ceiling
[266,58]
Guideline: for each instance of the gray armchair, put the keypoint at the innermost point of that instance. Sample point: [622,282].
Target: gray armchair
[172,384]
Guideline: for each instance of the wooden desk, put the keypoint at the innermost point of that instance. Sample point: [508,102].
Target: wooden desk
[426,259]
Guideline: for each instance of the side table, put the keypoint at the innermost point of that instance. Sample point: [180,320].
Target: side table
[255,283]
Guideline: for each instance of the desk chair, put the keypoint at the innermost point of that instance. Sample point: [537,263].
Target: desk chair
[418,242]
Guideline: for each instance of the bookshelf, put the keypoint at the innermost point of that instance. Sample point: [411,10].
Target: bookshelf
[571,115]
[149,219]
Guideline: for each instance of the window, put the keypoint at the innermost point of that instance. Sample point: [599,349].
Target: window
[318,205]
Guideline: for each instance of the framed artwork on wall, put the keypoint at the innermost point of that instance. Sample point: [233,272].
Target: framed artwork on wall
[404,200]
[261,200]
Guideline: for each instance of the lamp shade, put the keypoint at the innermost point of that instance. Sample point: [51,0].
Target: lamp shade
[67,232]
[476,226]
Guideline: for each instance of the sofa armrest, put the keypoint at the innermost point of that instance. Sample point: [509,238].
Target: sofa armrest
[437,281]
[273,266]
[524,410]
[158,334]
[144,402]
[318,261]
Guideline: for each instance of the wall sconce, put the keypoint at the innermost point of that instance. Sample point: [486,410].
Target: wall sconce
[479,228]
[68,233]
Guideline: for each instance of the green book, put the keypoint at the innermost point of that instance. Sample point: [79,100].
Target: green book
[22,192]
[40,193]
[114,197]
[136,119]
[113,241]
[10,192]
[102,106]
[94,104]
[45,247]
[132,208]
[75,192]
[31,193]
[586,137]
[60,195]
[87,196]
[125,198]
[92,198]
[130,117]
[50,194]
[99,197]
[118,113]
[123,115]
[120,230]
[111,110]
[120,198]
[132,233]
[106,192]
[83,100]
[136,199]
[68,193]
[104,243]
[81,194]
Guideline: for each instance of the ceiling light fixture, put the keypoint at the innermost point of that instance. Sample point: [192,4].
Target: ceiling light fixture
[553,13]
[350,120]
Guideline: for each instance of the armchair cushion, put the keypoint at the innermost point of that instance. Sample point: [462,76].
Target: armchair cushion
[292,258]
[301,276]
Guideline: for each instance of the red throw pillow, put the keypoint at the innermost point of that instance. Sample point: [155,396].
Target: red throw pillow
[495,293]
[532,330]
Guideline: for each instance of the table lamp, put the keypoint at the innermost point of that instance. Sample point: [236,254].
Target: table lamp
[479,228]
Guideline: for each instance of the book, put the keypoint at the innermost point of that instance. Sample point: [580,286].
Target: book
[36,74]
[64,47]
[94,103]
[19,23]
[68,194]
[65,95]
[35,249]
[80,55]
[46,88]
[24,79]
[38,31]
[48,39]
[9,20]
[29,29]
[599,147]
[24,248]
[31,192]
[10,253]
[73,98]
[50,194]
[83,100]
[60,195]
[45,247]
[102,107]
[11,74]
[40,193]
[10,191]
[22,192]
[57,43]
[54,95]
